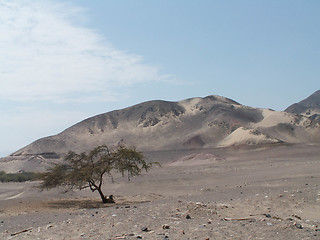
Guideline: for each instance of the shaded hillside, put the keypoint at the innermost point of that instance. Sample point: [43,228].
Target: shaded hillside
[307,106]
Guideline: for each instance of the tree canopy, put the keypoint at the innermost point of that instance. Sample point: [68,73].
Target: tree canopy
[87,170]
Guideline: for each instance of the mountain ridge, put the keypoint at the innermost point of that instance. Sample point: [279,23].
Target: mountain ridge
[194,123]
[143,116]
[306,106]
[218,115]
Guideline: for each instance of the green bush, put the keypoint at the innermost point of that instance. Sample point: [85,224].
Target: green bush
[18,177]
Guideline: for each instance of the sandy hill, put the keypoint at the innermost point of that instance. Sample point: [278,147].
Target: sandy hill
[208,122]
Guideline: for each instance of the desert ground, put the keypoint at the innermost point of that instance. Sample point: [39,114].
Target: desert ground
[222,193]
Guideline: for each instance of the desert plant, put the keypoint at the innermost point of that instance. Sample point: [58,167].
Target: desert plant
[87,170]
[18,177]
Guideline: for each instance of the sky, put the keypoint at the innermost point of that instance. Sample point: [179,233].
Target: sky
[62,61]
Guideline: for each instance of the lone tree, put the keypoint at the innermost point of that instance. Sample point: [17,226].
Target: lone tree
[88,170]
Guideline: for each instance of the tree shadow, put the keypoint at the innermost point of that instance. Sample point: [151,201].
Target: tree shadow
[89,203]
[76,204]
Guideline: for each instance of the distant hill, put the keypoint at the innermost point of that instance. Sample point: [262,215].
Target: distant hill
[194,123]
[307,106]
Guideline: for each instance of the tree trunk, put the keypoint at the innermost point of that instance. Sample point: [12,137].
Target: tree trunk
[104,199]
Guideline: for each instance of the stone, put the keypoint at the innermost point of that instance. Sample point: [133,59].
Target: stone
[165,226]
[188,216]
[49,226]
[145,229]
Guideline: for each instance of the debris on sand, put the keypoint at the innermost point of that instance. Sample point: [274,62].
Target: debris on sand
[23,231]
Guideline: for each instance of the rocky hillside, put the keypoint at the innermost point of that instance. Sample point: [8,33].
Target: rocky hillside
[154,125]
[308,106]
[208,122]
[193,123]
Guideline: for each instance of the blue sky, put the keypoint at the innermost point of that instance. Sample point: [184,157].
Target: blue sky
[64,61]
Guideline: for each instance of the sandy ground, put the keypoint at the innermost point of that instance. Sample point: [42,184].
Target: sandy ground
[207,194]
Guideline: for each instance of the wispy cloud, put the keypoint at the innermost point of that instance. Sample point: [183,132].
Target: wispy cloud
[44,55]
[48,57]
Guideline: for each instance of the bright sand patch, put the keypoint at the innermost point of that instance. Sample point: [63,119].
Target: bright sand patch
[246,136]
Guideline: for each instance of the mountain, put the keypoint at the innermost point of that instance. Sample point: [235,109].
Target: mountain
[308,106]
[194,123]
[153,125]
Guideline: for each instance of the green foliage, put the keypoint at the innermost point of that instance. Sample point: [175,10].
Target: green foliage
[128,160]
[86,170]
[18,177]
